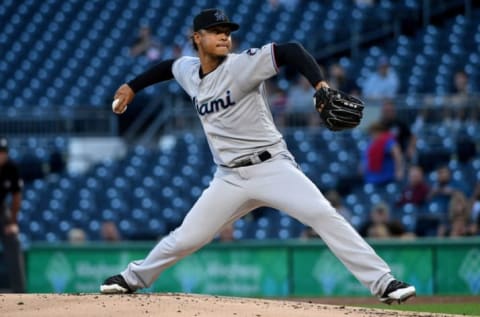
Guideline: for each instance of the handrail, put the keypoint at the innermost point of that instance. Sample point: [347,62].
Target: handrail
[58,121]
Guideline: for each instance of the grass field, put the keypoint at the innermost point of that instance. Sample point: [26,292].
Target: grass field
[467,309]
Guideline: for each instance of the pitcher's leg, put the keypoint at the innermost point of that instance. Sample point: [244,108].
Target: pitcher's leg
[218,205]
[291,191]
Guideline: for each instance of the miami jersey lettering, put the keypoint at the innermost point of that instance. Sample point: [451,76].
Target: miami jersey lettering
[231,102]
[214,105]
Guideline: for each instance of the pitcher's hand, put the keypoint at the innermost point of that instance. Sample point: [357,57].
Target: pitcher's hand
[122,98]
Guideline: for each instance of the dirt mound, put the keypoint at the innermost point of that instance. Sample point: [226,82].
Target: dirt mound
[175,305]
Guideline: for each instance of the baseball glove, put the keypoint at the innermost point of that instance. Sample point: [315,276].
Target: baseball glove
[340,111]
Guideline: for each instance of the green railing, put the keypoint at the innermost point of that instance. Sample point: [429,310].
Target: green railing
[266,268]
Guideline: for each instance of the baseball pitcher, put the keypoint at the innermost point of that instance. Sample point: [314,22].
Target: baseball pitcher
[254,166]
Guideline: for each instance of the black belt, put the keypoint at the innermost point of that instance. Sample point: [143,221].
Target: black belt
[253,159]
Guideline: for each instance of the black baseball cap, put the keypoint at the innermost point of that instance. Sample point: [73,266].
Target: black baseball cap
[212,17]
[3,145]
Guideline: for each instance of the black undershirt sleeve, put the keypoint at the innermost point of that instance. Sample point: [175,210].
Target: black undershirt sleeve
[158,73]
[296,55]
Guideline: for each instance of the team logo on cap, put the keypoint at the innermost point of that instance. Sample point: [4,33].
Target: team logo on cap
[220,16]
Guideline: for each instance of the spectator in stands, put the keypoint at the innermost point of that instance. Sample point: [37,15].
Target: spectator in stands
[339,80]
[458,216]
[475,210]
[381,84]
[146,45]
[403,135]
[301,111]
[416,191]
[461,83]
[443,188]
[377,225]
[109,232]
[77,236]
[461,89]
[11,184]
[456,107]
[383,162]
[459,227]
[380,225]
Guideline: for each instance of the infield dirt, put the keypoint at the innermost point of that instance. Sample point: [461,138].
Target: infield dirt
[176,305]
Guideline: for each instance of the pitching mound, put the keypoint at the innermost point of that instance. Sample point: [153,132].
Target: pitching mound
[176,305]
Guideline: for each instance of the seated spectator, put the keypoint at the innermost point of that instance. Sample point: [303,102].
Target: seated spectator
[456,106]
[381,84]
[459,227]
[380,225]
[443,188]
[441,196]
[383,161]
[416,191]
[339,80]
[109,232]
[441,193]
[399,129]
[300,104]
[461,85]
[430,223]
[475,210]
[77,236]
[458,217]
[146,45]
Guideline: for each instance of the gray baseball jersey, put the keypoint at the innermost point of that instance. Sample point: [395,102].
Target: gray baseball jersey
[232,104]
[233,108]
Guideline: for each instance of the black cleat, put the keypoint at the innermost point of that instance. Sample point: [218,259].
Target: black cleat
[115,285]
[397,291]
